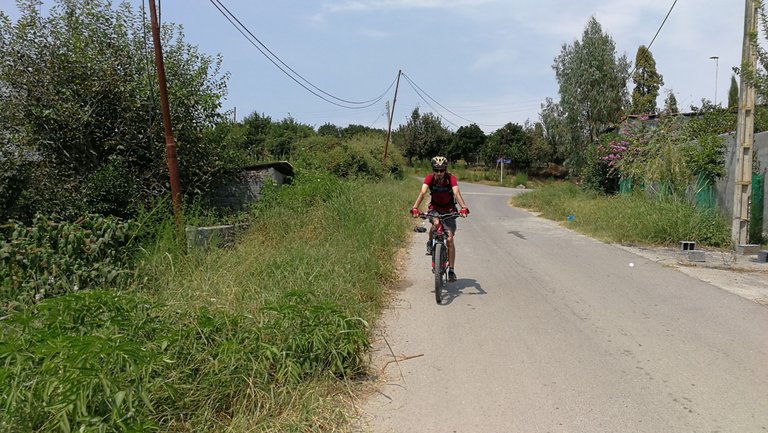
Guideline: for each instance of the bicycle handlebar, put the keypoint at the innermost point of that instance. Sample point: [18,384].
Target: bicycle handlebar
[433,214]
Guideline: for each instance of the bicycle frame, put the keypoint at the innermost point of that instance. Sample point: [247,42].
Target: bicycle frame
[439,249]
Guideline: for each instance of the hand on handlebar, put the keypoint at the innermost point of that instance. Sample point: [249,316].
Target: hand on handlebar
[415,212]
[464,212]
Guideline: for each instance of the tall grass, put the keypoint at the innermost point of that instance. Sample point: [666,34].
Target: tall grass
[632,218]
[256,338]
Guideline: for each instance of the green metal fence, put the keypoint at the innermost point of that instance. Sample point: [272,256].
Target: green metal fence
[756,209]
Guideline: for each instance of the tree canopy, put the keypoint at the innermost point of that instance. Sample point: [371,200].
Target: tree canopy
[423,136]
[467,143]
[80,127]
[592,85]
[733,93]
[647,82]
[670,103]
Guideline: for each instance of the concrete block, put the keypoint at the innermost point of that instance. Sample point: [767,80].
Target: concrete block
[747,249]
[762,256]
[204,237]
[696,256]
[687,245]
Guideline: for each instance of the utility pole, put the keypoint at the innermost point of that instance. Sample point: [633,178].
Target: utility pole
[716,59]
[170,145]
[391,115]
[744,133]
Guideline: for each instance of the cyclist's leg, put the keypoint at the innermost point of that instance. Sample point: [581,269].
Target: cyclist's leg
[451,249]
[450,226]
[431,235]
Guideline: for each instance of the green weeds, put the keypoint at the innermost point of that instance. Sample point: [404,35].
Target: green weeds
[52,258]
[632,218]
[260,337]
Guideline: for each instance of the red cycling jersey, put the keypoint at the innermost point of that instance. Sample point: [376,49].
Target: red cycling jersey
[442,192]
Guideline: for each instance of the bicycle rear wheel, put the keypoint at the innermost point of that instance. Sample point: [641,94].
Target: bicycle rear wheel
[437,256]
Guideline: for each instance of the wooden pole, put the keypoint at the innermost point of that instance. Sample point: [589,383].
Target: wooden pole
[170,145]
[391,115]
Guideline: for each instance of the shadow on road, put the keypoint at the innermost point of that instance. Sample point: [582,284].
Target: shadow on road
[459,288]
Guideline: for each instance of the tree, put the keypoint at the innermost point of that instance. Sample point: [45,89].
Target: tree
[556,130]
[592,86]
[509,142]
[283,136]
[257,127]
[423,136]
[352,130]
[329,130]
[542,150]
[467,143]
[733,93]
[647,82]
[79,104]
[670,103]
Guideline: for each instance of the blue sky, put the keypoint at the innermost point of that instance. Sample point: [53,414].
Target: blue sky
[488,61]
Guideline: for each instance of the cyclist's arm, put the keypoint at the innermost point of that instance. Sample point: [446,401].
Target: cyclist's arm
[424,189]
[458,196]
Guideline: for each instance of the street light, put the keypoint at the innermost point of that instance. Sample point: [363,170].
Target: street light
[715,58]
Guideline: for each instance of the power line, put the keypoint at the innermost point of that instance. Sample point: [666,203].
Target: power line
[419,92]
[657,33]
[263,49]
[416,89]
[662,24]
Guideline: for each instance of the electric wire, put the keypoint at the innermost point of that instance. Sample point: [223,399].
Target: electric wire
[657,32]
[232,18]
[419,92]
[416,90]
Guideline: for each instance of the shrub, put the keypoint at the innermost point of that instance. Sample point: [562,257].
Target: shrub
[52,258]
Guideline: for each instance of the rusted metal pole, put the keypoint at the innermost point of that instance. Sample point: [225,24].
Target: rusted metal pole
[170,145]
[391,115]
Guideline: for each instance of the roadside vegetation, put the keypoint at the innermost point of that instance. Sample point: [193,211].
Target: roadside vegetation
[628,219]
[265,336]
[109,324]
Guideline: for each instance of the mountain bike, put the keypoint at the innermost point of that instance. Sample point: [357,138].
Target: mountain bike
[439,249]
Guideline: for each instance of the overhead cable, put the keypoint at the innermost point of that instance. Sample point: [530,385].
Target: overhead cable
[657,32]
[274,59]
[419,92]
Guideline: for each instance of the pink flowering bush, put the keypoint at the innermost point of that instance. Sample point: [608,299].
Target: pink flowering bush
[601,172]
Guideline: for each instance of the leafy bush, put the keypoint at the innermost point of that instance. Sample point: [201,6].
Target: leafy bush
[358,156]
[600,171]
[82,120]
[52,258]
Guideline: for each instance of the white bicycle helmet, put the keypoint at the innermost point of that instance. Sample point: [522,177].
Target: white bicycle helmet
[439,162]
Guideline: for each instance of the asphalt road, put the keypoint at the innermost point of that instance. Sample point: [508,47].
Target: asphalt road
[547,330]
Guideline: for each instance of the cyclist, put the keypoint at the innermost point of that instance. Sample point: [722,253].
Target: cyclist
[444,189]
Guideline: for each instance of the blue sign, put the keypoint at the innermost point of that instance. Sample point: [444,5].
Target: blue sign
[505,161]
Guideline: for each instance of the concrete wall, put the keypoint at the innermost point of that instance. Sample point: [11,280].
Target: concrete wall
[238,195]
[724,188]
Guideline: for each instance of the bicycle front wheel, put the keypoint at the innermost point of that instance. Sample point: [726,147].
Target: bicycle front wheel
[437,256]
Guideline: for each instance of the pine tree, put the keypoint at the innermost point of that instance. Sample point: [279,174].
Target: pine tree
[647,82]
[670,103]
[733,93]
